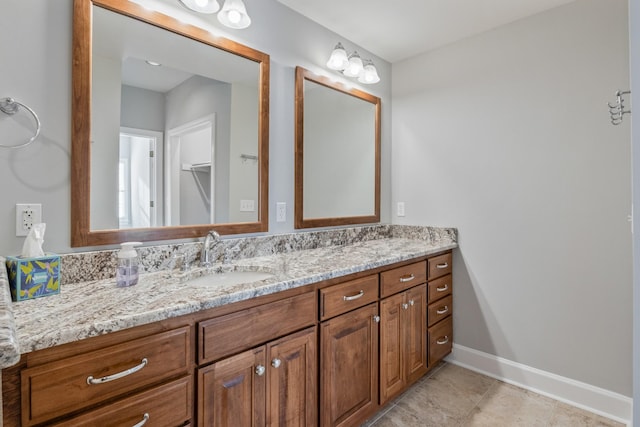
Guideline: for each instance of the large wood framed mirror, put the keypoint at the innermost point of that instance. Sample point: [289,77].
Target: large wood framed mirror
[170,128]
[337,155]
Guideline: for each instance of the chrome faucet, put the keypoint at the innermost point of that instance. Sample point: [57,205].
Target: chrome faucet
[205,257]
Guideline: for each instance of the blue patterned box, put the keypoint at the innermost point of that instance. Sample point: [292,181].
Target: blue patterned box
[33,277]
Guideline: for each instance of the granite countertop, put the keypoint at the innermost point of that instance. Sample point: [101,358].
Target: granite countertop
[93,308]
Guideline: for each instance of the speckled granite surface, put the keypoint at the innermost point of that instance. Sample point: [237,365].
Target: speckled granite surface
[9,350]
[97,307]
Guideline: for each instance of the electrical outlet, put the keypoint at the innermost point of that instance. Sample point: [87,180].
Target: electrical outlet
[27,214]
[247,206]
[281,212]
[400,211]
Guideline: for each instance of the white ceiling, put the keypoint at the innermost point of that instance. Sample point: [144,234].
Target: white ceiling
[398,29]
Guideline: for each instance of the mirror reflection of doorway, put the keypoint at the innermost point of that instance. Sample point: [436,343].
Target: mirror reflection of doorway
[190,179]
[137,177]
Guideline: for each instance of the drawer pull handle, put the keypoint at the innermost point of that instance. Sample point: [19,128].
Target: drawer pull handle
[376,318]
[354,297]
[276,363]
[260,370]
[443,310]
[441,266]
[407,278]
[91,380]
[444,288]
[443,341]
[145,418]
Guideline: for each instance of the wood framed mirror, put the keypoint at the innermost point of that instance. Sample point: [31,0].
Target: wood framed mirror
[201,128]
[337,154]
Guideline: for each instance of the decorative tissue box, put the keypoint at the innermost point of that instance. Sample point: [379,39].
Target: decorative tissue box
[33,277]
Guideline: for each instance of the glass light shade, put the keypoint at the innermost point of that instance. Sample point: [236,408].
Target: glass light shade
[369,75]
[201,6]
[339,59]
[234,15]
[355,66]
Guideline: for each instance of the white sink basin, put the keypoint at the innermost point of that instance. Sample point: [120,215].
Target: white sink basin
[229,278]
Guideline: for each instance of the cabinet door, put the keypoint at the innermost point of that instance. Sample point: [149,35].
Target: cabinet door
[232,392]
[392,375]
[348,367]
[415,323]
[292,380]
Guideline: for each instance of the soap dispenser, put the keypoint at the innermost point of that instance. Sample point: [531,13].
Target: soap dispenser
[127,271]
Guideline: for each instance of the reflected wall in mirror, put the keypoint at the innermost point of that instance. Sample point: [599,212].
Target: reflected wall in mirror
[170,131]
[337,157]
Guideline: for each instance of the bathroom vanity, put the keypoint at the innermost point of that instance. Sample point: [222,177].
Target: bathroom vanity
[330,336]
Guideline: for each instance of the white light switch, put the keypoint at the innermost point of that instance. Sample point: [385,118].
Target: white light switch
[281,212]
[400,209]
[247,206]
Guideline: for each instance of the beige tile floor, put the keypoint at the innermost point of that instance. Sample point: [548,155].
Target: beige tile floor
[453,396]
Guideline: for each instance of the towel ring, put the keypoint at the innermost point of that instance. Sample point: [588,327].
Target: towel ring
[10,106]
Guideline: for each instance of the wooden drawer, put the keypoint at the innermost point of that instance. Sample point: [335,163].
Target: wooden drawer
[60,387]
[168,405]
[440,288]
[401,278]
[439,310]
[347,296]
[439,265]
[236,332]
[440,340]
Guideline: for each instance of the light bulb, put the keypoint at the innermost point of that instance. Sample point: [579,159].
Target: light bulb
[355,66]
[369,75]
[201,6]
[339,59]
[234,16]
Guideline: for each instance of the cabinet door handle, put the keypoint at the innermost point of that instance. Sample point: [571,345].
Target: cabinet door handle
[412,302]
[444,288]
[354,297]
[405,306]
[443,310]
[441,266]
[260,370]
[276,363]
[145,418]
[443,341]
[91,380]
[407,278]
[376,318]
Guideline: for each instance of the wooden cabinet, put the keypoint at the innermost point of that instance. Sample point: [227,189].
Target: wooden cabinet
[330,353]
[169,405]
[403,346]
[349,367]
[274,385]
[440,309]
[57,388]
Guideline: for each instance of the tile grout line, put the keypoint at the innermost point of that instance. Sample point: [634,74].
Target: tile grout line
[466,416]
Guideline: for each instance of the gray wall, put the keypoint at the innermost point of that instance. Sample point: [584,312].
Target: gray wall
[40,76]
[510,133]
[634,51]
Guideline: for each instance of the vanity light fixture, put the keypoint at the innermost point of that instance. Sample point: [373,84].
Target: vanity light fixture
[233,13]
[353,65]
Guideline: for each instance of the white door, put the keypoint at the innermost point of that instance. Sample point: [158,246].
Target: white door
[138,177]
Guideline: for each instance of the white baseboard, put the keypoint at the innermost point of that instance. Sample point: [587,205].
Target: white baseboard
[585,396]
